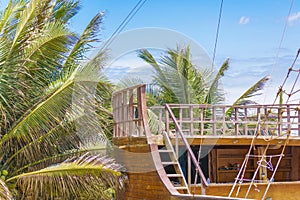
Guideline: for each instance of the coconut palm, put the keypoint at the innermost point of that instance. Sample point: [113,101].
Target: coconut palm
[180,81]
[52,104]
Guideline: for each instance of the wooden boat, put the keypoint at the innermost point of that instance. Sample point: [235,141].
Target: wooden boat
[202,152]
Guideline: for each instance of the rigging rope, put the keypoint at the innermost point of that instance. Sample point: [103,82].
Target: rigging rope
[217,33]
[127,19]
[281,40]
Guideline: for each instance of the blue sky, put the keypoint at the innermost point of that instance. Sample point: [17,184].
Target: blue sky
[250,34]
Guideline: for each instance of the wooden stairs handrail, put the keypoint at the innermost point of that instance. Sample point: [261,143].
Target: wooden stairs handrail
[193,158]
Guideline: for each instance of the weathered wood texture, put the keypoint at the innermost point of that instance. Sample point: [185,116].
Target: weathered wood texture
[146,177]
[143,179]
[277,191]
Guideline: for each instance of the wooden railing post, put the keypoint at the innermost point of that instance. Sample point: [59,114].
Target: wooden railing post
[288,113]
[236,120]
[191,120]
[214,125]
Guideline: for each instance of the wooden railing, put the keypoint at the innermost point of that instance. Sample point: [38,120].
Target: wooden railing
[130,112]
[131,117]
[227,120]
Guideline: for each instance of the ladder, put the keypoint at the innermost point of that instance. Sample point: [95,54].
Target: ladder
[261,164]
[170,161]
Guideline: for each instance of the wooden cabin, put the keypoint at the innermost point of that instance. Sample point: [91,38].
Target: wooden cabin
[206,151]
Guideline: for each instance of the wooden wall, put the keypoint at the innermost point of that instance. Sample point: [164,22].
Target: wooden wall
[143,179]
[223,158]
[277,191]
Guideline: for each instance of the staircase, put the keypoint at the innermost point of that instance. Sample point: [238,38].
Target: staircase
[172,166]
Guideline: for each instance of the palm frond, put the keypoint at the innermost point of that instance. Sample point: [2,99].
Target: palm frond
[251,92]
[65,10]
[8,15]
[27,14]
[83,44]
[96,174]
[212,95]
[5,194]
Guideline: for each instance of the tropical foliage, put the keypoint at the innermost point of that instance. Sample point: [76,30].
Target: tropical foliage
[180,81]
[53,107]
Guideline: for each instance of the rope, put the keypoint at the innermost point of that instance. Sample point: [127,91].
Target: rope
[281,40]
[280,90]
[127,19]
[263,162]
[242,170]
[217,33]
[256,171]
[268,156]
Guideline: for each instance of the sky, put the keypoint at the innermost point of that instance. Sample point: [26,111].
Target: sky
[249,35]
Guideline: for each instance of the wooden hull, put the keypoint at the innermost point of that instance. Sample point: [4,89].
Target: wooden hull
[147,178]
[277,191]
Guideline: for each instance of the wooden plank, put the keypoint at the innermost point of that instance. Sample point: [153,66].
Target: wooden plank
[213,165]
[295,164]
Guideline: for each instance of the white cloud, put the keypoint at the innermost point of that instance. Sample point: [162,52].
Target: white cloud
[293,18]
[244,20]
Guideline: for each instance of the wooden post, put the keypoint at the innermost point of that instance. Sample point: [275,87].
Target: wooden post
[125,114]
[260,151]
[224,127]
[246,121]
[131,113]
[201,121]
[279,126]
[191,120]
[295,164]
[167,122]
[160,128]
[258,121]
[288,118]
[189,174]
[236,121]
[214,125]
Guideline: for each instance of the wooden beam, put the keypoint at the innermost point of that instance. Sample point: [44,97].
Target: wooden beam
[295,164]
[239,140]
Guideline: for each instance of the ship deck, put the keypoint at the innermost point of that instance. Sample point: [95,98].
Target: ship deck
[140,133]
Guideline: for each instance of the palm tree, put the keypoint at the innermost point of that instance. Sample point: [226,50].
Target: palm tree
[53,106]
[180,81]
